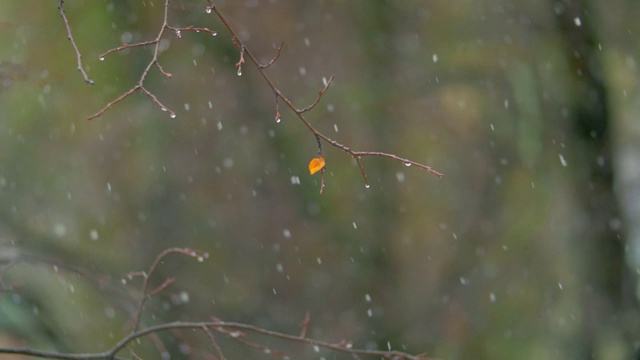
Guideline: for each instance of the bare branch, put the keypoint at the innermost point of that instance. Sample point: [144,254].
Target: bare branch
[180,30]
[125,46]
[73,43]
[235,331]
[326,86]
[113,102]
[155,99]
[164,285]
[153,62]
[406,162]
[241,61]
[274,58]
[305,325]
[299,112]
[144,296]
[214,342]
[225,327]
[278,115]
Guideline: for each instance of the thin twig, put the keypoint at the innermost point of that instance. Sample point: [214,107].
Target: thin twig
[320,93]
[357,155]
[274,58]
[214,342]
[235,331]
[164,285]
[305,325]
[73,43]
[343,346]
[117,100]
[153,62]
[145,295]
[180,30]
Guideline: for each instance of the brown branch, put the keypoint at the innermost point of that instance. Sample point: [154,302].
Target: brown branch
[278,115]
[320,93]
[305,325]
[164,285]
[73,43]
[274,58]
[155,99]
[214,342]
[125,46]
[57,355]
[242,50]
[153,62]
[179,30]
[300,112]
[115,101]
[224,327]
[239,337]
[322,182]
[145,295]
[233,330]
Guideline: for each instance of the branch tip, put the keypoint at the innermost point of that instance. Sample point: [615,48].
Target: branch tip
[73,44]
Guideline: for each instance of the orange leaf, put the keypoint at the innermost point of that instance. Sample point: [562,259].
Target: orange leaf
[316,165]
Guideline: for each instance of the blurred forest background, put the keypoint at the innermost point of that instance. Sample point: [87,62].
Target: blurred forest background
[528,248]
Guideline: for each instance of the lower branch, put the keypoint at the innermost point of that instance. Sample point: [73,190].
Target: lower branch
[209,327]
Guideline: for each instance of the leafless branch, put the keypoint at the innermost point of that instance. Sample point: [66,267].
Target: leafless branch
[357,155]
[180,30]
[164,285]
[225,327]
[214,342]
[233,330]
[242,50]
[73,43]
[320,93]
[153,62]
[305,325]
[145,295]
[274,58]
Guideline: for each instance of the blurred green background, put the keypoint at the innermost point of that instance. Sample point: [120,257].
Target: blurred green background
[528,248]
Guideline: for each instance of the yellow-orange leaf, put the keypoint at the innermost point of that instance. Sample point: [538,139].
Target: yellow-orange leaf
[316,165]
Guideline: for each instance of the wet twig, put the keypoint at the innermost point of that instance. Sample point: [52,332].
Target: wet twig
[356,155]
[73,43]
[238,332]
[139,86]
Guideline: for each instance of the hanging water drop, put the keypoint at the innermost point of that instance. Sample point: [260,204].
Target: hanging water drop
[239,71]
[407,164]
[214,33]
[163,109]
[278,118]
[173,116]
[178,34]
[208,10]
[101,58]
[367,186]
